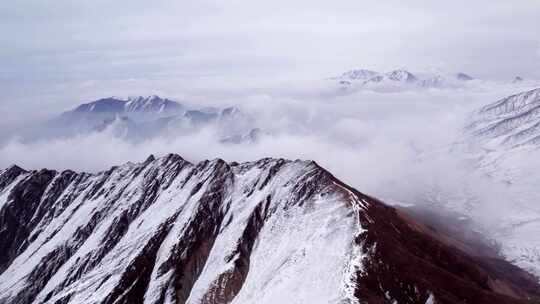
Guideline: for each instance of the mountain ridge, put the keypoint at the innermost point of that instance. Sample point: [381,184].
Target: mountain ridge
[401,76]
[140,118]
[513,120]
[170,231]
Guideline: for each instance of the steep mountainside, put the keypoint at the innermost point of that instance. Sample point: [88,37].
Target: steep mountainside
[503,139]
[270,231]
[511,121]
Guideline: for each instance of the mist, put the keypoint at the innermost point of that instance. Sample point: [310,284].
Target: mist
[396,145]
[406,146]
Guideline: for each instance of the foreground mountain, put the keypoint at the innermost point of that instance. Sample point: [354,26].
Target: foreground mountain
[270,231]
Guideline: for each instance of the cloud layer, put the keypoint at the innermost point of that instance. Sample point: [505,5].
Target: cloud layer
[55,55]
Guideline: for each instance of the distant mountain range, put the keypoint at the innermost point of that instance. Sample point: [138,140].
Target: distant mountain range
[404,78]
[154,105]
[140,118]
[370,78]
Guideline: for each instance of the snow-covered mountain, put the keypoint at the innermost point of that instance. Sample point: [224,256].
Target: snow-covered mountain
[464,77]
[151,106]
[510,122]
[270,231]
[130,115]
[502,140]
[400,77]
[360,74]
[141,118]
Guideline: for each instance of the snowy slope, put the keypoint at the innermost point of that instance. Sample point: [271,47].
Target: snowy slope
[502,139]
[270,231]
[141,104]
[511,121]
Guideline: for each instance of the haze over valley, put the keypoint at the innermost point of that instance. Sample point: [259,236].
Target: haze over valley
[160,155]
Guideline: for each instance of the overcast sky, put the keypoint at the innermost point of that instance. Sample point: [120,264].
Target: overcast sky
[59,53]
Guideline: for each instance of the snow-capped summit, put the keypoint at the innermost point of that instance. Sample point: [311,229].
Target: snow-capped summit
[142,117]
[152,104]
[402,76]
[133,105]
[399,79]
[101,106]
[167,231]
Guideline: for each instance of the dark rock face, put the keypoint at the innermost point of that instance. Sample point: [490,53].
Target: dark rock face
[408,261]
[270,231]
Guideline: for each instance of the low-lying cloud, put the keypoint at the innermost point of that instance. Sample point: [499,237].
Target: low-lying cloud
[405,147]
[364,137]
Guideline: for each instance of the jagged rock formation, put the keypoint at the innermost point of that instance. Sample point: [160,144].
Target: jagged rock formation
[270,231]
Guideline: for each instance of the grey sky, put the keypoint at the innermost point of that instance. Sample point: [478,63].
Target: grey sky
[59,53]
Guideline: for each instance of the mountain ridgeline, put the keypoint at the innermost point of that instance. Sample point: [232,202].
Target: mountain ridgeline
[140,118]
[511,121]
[270,231]
[400,77]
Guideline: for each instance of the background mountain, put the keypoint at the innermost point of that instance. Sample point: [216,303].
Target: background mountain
[400,77]
[269,231]
[141,118]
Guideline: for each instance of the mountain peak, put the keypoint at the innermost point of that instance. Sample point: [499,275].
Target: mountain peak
[103,105]
[402,75]
[152,104]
